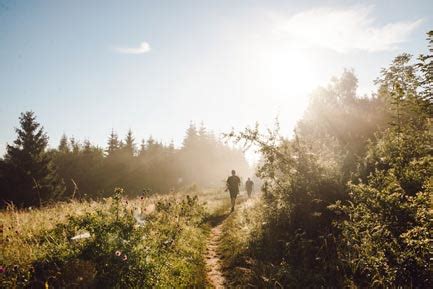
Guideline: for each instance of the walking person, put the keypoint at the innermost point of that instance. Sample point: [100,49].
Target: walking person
[233,183]
[249,187]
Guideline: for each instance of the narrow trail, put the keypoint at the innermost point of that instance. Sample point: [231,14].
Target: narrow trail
[213,260]
[212,256]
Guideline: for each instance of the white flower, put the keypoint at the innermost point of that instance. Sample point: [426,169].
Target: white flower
[84,235]
[139,217]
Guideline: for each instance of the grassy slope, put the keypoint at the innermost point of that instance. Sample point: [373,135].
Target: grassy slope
[22,231]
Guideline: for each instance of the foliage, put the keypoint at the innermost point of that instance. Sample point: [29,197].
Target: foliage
[85,171]
[203,160]
[116,245]
[27,174]
[348,200]
[387,232]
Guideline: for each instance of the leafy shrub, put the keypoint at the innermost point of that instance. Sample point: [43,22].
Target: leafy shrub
[346,206]
[386,237]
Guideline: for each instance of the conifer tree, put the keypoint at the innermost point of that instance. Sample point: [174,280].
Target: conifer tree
[129,146]
[32,179]
[191,136]
[113,143]
[142,150]
[63,145]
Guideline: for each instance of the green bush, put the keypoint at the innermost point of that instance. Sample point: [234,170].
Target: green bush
[387,233]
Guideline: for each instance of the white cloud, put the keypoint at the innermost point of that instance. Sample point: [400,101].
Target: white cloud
[144,47]
[345,29]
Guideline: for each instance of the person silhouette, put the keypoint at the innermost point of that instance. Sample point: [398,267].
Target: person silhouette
[233,183]
[249,187]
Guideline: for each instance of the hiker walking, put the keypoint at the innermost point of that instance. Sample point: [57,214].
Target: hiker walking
[249,186]
[233,183]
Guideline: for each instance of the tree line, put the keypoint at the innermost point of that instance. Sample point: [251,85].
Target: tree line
[33,174]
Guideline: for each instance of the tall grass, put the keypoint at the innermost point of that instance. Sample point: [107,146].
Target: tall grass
[162,239]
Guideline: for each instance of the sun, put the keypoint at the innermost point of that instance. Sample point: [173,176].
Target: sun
[288,76]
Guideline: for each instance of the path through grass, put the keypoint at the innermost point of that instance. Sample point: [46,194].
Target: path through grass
[214,255]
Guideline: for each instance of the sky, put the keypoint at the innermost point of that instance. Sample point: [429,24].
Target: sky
[87,67]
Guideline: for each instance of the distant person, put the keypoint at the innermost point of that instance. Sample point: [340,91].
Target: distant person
[233,183]
[249,186]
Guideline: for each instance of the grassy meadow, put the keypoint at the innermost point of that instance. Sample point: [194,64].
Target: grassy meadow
[153,241]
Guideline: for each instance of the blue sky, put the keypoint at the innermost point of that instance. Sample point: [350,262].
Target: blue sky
[86,67]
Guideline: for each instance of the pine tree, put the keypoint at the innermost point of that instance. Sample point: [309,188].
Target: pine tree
[113,143]
[63,145]
[191,136]
[32,177]
[129,146]
[153,146]
[142,148]
[87,145]
[75,145]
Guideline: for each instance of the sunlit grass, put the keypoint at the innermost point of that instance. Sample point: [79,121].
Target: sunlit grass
[22,227]
[26,232]
[241,229]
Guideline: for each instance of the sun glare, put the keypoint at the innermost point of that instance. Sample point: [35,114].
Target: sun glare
[288,77]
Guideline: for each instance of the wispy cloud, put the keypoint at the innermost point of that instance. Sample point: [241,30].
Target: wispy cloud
[144,47]
[345,29]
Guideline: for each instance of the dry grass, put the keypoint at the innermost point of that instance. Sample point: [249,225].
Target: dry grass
[21,228]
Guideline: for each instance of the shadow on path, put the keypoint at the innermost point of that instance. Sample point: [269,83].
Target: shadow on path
[217,219]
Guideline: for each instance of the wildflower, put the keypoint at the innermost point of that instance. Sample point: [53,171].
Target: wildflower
[118,253]
[2,270]
[125,258]
[138,217]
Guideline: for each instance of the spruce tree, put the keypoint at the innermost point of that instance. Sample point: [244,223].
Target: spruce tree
[63,145]
[113,143]
[31,176]
[129,146]
[142,148]
[191,137]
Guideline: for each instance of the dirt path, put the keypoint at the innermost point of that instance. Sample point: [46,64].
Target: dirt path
[213,260]
[212,256]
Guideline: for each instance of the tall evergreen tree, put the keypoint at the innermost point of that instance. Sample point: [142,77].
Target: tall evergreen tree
[129,146]
[63,145]
[142,150]
[191,136]
[113,143]
[75,145]
[31,177]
